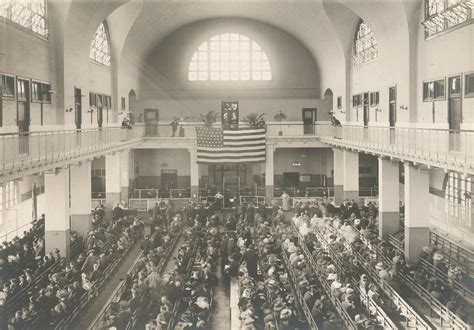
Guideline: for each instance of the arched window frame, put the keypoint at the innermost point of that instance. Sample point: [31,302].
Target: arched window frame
[229,57]
[100,51]
[31,14]
[365,48]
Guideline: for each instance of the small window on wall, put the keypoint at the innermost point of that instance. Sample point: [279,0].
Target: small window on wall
[122,103]
[357,100]
[8,83]
[454,85]
[339,102]
[92,99]
[100,100]
[434,90]
[21,89]
[40,92]
[374,99]
[469,89]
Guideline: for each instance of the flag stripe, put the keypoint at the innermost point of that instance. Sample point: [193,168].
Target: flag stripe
[215,145]
[230,149]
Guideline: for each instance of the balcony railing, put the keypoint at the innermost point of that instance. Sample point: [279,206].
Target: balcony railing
[452,149]
[445,148]
[20,150]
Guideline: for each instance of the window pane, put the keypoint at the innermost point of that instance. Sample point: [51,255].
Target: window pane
[469,84]
[100,49]
[229,57]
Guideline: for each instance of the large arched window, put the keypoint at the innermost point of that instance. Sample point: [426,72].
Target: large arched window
[30,14]
[365,45]
[100,46]
[229,57]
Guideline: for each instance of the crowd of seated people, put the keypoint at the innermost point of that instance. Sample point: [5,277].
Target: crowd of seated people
[143,286]
[69,282]
[22,258]
[356,229]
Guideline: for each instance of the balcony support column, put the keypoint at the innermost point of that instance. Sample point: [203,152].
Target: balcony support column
[81,198]
[269,174]
[124,174]
[57,220]
[351,174]
[113,176]
[194,175]
[389,198]
[338,175]
[417,220]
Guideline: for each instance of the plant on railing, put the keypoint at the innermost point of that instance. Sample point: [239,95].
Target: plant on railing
[209,118]
[255,120]
[280,116]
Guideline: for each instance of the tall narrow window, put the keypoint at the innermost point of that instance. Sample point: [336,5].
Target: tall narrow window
[100,47]
[30,14]
[229,57]
[365,45]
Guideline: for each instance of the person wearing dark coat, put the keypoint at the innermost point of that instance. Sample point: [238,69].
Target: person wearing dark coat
[251,259]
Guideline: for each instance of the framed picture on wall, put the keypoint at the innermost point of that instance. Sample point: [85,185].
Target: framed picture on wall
[230,114]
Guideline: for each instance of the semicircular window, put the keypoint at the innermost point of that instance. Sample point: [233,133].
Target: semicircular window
[229,57]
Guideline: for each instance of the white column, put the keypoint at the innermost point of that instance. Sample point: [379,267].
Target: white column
[389,197]
[112,180]
[269,174]
[194,174]
[351,174]
[81,198]
[125,174]
[417,221]
[338,175]
[57,223]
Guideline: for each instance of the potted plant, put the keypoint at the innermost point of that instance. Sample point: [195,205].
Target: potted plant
[255,120]
[209,118]
[280,116]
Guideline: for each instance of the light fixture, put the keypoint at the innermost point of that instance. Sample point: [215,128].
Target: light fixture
[403,107]
[296,163]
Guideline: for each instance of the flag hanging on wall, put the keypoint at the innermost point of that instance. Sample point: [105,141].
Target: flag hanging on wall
[217,145]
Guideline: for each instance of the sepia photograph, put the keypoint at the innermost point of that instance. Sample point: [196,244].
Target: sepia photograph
[236,164]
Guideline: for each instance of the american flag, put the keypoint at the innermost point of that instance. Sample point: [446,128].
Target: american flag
[217,145]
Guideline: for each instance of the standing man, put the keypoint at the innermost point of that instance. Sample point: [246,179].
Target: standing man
[174,126]
[285,198]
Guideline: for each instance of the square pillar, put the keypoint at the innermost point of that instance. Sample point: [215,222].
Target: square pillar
[389,198]
[194,175]
[269,174]
[351,175]
[57,222]
[338,175]
[125,174]
[81,204]
[113,186]
[417,221]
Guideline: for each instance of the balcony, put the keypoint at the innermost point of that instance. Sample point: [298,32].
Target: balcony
[448,149]
[23,154]
[27,153]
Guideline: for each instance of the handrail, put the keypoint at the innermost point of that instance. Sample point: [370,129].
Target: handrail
[304,306]
[122,285]
[370,303]
[407,310]
[459,251]
[442,311]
